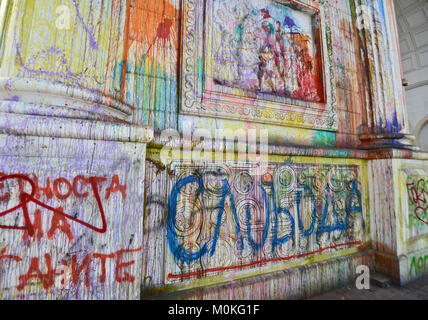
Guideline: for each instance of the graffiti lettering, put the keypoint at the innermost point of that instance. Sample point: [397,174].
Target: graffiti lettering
[62,189]
[417,190]
[47,279]
[418,265]
[319,218]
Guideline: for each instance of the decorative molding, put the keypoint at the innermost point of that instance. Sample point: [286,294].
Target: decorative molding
[419,128]
[43,126]
[417,85]
[42,89]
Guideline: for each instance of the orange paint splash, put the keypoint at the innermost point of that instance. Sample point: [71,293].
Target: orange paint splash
[148,22]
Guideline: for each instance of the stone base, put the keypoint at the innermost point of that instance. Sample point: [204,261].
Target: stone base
[389,266]
[298,283]
[387,141]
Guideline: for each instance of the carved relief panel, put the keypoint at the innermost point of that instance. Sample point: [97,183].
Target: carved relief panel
[261,60]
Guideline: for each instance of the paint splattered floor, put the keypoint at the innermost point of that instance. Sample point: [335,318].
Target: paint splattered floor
[417,290]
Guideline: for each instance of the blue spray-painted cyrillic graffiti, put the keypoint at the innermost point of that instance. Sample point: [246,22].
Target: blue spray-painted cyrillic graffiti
[310,230]
[253,244]
[182,254]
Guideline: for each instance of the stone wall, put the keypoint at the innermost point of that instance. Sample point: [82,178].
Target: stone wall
[89,206]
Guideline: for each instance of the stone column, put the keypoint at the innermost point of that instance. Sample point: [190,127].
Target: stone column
[387,124]
[72,163]
[399,224]
[397,198]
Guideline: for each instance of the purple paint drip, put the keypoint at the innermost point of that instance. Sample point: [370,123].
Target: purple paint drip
[60,54]
[90,32]
[14,98]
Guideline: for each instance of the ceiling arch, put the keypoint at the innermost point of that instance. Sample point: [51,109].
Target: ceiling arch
[412,21]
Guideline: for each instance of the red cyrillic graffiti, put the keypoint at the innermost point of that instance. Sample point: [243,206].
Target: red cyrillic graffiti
[103,258]
[116,187]
[418,197]
[4,256]
[62,189]
[48,279]
[60,222]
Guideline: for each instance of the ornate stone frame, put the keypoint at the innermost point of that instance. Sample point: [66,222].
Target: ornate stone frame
[196,100]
